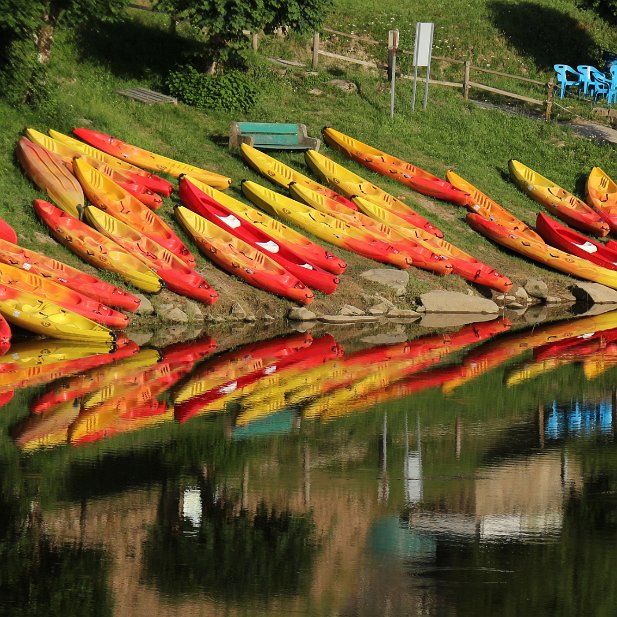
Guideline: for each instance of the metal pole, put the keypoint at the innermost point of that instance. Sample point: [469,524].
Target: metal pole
[428,73]
[413,94]
[392,83]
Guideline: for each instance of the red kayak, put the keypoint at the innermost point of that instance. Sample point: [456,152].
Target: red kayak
[575,243]
[7,232]
[202,204]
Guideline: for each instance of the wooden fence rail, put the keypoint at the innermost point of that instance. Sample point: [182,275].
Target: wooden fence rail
[466,84]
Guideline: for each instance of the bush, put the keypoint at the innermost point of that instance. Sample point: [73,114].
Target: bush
[233,91]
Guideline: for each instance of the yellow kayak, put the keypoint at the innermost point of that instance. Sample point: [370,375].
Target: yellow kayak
[324,226]
[351,184]
[463,264]
[601,192]
[484,206]
[299,243]
[557,200]
[49,173]
[41,316]
[105,194]
[283,175]
[154,183]
[150,160]
[122,177]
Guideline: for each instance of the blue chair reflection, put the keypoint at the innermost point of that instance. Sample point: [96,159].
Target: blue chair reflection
[566,77]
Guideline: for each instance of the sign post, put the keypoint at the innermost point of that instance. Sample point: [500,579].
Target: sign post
[422,57]
[392,49]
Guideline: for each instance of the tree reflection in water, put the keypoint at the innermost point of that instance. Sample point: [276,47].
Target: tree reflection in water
[228,551]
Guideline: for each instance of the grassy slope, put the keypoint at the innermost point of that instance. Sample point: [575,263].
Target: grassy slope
[451,133]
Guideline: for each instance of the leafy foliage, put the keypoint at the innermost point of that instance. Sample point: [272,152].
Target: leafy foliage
[604,8]
[233,91]
[27,32]
[225,21]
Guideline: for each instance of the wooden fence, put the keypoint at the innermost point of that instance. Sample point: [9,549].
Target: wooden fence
[465,85]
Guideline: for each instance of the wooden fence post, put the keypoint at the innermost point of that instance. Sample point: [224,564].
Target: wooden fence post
[254,41]
[549,100]
[466,86]
[315,49]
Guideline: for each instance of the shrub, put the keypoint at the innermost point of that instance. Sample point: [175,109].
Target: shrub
[233,91]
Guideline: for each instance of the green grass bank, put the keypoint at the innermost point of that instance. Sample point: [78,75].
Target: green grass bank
[451,133]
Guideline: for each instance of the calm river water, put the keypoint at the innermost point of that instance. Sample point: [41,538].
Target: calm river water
[462,471]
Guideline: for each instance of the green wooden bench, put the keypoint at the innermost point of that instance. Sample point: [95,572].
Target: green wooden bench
[271,136]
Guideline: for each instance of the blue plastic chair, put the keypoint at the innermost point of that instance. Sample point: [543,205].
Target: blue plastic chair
[592,81]
[566,77]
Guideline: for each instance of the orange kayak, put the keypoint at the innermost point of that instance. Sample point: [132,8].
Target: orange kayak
[557,200]
[95,248]
[241,259]
[113,199]
[543,253]
[149,160]
[49,173]
[387,165]
[601,192]
[488,208]
[178,276]
[67,275]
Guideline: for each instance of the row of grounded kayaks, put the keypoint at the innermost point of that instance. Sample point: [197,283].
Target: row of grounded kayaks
[92,391]
[106,195]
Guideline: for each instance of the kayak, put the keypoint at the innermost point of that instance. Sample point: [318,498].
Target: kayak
[154,183]
[488,208]
[7,232]
[49,173]
[387,165]
[241,259]
[95,248]
[113,199]
[309,274]
[283,175]
[601,192]
[42,316]
[149,160]
[5,335]
[324,226]
[543,253]
[353,217]
[350,184]
[70,299]
[463,264]
[297,242]
[223,375]
[67,153]
[67,275]
[76,386]
[571,241]
[557,200]
[177,275]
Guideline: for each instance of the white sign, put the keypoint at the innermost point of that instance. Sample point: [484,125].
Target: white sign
[424,43]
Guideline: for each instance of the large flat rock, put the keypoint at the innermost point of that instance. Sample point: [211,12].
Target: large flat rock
[594,293]
[439,301]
